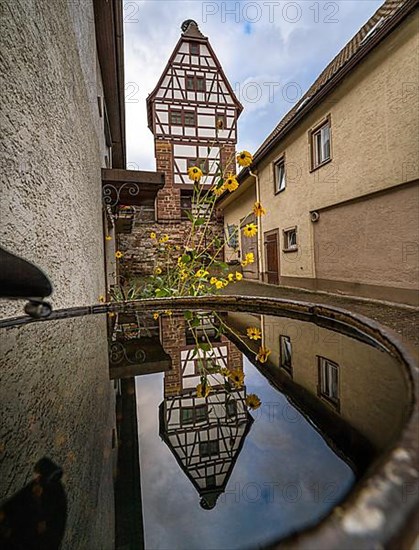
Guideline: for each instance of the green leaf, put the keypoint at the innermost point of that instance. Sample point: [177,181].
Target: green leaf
[189,215]
[188,315]
[200,221]
[186,258]
[205,347]
[162,293]
[195,323]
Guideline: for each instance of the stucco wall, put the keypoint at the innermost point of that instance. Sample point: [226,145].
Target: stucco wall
[52,146]
[378,236]
[56,400]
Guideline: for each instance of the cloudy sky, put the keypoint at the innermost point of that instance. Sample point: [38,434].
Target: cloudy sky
[271,52]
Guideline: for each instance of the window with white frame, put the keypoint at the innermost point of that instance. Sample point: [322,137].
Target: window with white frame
[279,175]
[290,239]
[329,379]
[285,349]
[320,145]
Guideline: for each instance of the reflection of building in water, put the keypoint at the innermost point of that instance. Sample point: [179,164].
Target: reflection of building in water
[204,434]
[354,390]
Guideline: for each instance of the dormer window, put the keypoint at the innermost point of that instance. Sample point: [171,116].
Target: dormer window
[194,48]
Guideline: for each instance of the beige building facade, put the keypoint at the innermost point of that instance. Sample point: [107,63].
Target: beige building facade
[339,175]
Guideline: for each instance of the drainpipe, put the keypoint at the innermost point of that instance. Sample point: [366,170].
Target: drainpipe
[259,224]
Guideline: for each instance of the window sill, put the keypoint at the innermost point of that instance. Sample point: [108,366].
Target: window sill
[314,168]
[295,249]
[280,191]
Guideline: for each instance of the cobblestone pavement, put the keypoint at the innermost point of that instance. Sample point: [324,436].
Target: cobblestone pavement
[402,320]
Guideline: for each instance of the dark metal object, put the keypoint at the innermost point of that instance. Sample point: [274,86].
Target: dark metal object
[22,279]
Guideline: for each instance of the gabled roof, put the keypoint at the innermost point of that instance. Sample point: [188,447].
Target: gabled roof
[384,20]
[191,33]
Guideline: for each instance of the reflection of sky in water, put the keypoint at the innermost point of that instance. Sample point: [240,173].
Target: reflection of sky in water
[285,477]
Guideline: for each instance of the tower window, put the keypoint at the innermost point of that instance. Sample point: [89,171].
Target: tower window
[189,118]
[195,83]
[193,48]
[176,118]
[200,84]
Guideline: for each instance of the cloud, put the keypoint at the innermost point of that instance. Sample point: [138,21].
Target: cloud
[270,51]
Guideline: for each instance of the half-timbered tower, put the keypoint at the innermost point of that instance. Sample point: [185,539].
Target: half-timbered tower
[193,114]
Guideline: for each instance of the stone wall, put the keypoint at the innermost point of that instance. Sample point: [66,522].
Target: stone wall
[53,146]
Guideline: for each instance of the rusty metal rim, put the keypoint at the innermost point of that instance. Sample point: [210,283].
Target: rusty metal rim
[381,509]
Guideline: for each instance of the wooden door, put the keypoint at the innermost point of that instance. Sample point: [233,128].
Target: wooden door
[272,257]
[250,244]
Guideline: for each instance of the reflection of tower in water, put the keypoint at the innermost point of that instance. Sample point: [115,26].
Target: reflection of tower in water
[205,434]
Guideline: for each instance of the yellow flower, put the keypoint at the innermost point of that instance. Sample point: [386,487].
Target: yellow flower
[237,377]
[249,258]
[213,280]
[179,261]
[250,230]
[194,173]
[253,401]
[177,247]
[168,312]
[263,354]
[218,190]
[225,372]
[101,299]
[258,209]
[156,316]
[239,276]
[157,271]
[244,158]
[203,390]
[231,183]
[108,238]
[164,239]
[219,284]
[183,275]
[230,277]
[153,235]
[201,273]
[118,254]
[254,333]
[111,314]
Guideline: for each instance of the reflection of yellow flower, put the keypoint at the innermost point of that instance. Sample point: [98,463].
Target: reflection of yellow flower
[157,271]
[168,312]
[258,209]
[239,276]
[244,158]
[108,238]
[153,235]
[250,230]
[164,239]
[118,254]
[263,354]
[237,377]
[224,372]
[249,258]
[219,284]
[254,333]
[156,316]
[203,390]
[101,298]
[253,401]
[183,275]
[231,183]
[194,173]
[111,314]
